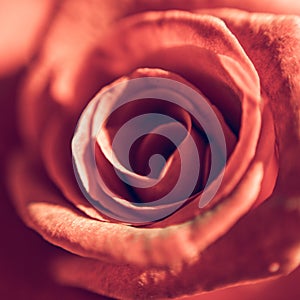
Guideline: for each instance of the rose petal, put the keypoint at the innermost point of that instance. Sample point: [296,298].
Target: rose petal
[280,81]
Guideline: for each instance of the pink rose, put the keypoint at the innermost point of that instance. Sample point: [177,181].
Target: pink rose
[245,65]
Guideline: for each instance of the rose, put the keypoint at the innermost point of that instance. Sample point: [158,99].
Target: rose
[36,209]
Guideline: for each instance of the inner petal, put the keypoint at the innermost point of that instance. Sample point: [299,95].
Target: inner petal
[188,168]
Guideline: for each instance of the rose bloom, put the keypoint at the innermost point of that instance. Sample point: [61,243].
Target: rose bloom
[242,57]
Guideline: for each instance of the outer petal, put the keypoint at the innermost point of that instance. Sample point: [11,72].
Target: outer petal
[63,71]
[188,267]
[273,46]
